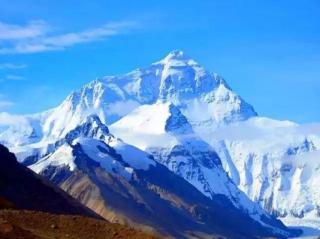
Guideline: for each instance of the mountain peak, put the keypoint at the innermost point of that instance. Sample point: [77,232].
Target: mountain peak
[177,56]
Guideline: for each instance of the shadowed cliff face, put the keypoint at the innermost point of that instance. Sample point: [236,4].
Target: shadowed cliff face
[22,189]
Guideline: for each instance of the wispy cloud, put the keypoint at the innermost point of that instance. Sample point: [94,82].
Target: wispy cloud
[13,66]
[12,78]
[38,36]
[15,77]
[30,30]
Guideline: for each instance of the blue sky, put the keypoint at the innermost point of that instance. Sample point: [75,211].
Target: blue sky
[268,51]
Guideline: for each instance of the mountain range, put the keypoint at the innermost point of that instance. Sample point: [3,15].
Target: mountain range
[174,139]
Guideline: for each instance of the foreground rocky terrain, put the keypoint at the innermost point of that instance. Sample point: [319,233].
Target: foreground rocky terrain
[16,224]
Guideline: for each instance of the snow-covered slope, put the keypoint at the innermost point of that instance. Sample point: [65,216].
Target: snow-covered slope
[276,163]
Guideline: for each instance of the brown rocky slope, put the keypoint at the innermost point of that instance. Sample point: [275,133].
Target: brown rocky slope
[16,224]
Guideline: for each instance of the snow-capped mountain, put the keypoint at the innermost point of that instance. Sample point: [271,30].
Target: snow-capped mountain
[178,111]
[177,78]
[124,184]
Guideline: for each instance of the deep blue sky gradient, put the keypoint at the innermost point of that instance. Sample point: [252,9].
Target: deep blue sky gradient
[268,51]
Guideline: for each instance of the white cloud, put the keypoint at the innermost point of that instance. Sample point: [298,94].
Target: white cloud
[30,30]
[10,66]
[36,38]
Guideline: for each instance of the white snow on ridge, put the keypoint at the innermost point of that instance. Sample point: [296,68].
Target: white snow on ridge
[159,112]
[143,132]
[98,151]
[91,149]
[61,157]
[135,157]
